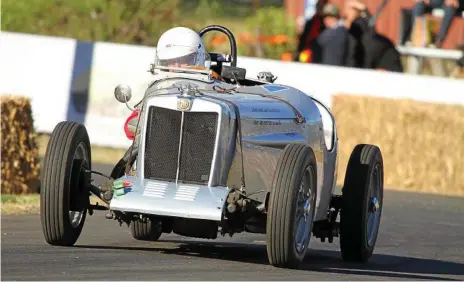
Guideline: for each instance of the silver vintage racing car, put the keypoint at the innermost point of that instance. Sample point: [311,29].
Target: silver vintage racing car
[220,156]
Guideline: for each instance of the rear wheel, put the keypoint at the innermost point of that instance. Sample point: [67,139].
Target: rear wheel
[149,230]
[291,207]
[362,200]
[64,194]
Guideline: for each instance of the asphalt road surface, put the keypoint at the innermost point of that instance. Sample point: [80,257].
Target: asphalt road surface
[421,237]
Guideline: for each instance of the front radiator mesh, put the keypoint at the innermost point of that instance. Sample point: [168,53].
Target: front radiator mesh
[162,145]
[198,140]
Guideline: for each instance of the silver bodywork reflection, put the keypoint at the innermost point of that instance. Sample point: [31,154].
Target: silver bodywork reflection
[268,125]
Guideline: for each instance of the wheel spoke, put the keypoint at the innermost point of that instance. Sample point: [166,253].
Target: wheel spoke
[303,214]
[373,206]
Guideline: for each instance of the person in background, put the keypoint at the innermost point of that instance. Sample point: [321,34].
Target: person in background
[335,41]
[307,49]
[450,8]
[373,51]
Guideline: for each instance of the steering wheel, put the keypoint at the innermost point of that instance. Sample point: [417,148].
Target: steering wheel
[220,58]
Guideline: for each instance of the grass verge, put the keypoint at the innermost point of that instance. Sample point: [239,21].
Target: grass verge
[28,204]
[20,204]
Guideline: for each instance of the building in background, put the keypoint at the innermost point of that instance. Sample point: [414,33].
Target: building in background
[389,22]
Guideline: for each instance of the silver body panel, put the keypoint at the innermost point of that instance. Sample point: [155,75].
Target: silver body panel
[268,125]
[171,199]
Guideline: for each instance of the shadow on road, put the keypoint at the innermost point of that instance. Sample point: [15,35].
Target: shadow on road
[317,260]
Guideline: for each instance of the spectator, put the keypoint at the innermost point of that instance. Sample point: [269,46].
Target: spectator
[422,7]
[335,40]
[374,51]
[312,28]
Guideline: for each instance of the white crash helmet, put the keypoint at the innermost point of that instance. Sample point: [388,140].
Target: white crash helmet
[181,47]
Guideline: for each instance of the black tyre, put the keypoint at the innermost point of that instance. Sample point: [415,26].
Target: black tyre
[291,206]
[149,230]
[64,194]
[362,200]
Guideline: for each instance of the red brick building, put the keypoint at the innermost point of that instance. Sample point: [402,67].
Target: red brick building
[388,22]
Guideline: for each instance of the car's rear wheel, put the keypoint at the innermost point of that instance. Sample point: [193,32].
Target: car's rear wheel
[362,201]
[64,194]
[291,207]
[149,230]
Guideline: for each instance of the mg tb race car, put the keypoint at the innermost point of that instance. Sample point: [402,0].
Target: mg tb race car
[212,157]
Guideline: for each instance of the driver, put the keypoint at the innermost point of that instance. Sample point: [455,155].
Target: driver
[178,47]
[182,47]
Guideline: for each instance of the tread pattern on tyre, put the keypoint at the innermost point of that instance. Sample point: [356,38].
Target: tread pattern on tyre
[352,229]
[55,177]
[145,231]
[280,246]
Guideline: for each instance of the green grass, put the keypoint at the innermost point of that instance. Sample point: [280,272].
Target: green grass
[28,203]
[142,21]
[121,21]
[20,204]
[20,199]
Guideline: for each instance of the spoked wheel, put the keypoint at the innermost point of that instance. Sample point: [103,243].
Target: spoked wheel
[362,200]
[304,211]
[291,207]
[64,195]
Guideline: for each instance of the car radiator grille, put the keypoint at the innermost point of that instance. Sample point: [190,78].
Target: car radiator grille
[162,145]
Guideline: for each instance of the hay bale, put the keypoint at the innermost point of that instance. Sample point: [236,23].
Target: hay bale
[20,163]
[422,143]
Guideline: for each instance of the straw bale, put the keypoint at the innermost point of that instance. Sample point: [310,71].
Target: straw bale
[19,153]
[422,143]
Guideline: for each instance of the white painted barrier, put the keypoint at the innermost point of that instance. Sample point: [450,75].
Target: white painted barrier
[433,53]
[49,69]
[40,68]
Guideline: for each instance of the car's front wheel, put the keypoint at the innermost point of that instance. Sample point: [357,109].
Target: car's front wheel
[291,206]
[64,193]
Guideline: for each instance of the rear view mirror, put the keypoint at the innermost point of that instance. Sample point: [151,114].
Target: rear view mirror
[123,93]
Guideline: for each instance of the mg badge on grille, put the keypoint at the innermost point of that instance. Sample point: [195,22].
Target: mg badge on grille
[183,104]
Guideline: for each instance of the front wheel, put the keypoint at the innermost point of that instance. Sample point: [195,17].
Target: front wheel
[291,207]
[64,194]
[362,201]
